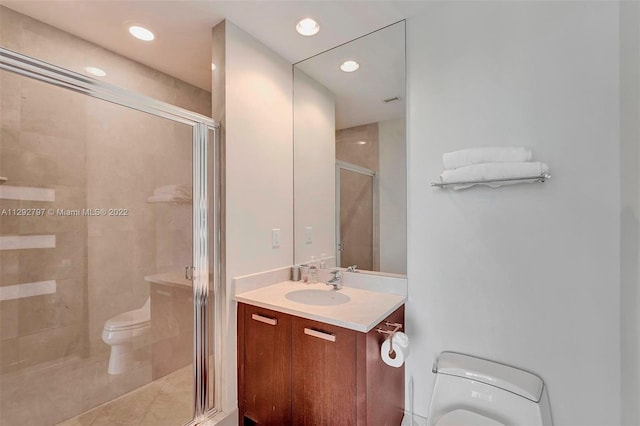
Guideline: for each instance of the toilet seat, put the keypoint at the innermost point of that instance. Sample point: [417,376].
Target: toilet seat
[462,417]
[131,320]
[474,391]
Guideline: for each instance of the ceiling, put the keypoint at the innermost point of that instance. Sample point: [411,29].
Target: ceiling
[182,47]
[359,95]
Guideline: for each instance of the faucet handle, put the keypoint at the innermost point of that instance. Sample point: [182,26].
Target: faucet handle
[336,281]
[352,268]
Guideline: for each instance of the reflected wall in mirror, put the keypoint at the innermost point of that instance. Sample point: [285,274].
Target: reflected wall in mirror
[350,154]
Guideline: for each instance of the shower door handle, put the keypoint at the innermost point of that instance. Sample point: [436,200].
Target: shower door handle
[188,272]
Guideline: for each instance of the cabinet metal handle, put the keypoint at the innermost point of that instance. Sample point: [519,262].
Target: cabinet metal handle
[320,334]
[266,320]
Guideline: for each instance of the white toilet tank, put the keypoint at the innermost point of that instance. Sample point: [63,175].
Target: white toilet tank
[474,391]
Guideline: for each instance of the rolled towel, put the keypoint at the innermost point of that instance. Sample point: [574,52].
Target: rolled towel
[496,154]
[521,171]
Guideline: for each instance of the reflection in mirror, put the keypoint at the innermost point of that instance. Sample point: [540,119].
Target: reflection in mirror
[350,155]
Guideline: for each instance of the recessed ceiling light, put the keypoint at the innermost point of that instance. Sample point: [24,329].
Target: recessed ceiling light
[95,71]
[361,143]
[141,33]
[307,27]
[349,66]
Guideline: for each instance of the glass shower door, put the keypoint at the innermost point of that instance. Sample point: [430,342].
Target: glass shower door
[96,229]
[356,216]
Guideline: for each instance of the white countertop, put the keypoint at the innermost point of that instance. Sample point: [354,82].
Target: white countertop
[363,312]
[175,279]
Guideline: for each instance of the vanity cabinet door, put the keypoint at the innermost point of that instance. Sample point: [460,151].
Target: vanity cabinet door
[264,377]
[324,374]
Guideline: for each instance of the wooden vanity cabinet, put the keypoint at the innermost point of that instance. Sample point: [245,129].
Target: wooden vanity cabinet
[302,372]
[324,374]
[264,366]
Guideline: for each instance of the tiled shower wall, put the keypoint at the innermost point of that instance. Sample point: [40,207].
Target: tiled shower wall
[89,154]
[42,152]
[125,164]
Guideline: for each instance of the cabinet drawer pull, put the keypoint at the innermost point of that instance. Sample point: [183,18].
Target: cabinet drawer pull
[266,320]
[320,334]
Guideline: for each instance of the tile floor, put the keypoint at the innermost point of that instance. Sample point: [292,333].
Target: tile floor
[165,402]
[54,392]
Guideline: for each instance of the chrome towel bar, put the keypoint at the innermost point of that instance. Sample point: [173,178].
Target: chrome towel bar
[543,177]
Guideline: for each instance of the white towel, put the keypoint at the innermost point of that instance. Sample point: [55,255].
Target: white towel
[524,171]
[467,157]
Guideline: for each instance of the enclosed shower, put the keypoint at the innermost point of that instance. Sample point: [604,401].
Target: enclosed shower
[108,216]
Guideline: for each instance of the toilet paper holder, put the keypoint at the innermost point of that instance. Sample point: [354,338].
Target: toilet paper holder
[396,327]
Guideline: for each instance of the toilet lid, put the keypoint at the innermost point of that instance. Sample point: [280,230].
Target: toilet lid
[138,318]
[464,417]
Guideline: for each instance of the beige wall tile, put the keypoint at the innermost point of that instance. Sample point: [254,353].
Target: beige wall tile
[365,155]
[68,198]
[9,153]
[51,110]
[50,160]
[9,225]
[10,92]
[67,260]
[8,357]
[60,309]
[8,320]
[9,267]
[49,344]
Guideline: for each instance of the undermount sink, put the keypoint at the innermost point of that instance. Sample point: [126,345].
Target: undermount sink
[318,297]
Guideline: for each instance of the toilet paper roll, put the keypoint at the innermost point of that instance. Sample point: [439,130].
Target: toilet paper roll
[400,347]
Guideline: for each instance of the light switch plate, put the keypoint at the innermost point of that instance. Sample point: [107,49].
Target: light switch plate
[308,235]
[275,238]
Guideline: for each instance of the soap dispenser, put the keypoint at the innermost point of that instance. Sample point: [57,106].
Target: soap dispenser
[313,271]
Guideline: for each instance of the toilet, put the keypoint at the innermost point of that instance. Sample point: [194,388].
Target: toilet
[126,333]
[474,391]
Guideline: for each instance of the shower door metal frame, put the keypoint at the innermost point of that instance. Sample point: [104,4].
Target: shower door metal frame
[344,165]
[42,71]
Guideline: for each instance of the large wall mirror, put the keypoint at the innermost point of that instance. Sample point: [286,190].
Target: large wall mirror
[350,154]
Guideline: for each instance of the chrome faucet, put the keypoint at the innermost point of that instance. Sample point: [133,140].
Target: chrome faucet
[352,268]
[336,281]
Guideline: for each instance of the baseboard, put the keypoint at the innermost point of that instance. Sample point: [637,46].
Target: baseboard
[223,419]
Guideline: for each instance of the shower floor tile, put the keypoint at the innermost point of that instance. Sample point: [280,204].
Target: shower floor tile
[81,390]
[166,402]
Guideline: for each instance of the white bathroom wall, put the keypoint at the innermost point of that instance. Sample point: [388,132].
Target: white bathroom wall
[393,196]
[314,168]
[259,170]
[529,274]
[630,209]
